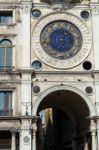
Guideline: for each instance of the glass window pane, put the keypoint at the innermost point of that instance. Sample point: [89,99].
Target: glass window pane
[1,101]
[5,103]
[6,19]
[8,56]
[6,16]
[9,19]
[1,57]
[7,100]
[5,43]
[3,19]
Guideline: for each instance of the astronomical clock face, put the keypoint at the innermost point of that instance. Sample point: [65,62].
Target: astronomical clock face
[61,40]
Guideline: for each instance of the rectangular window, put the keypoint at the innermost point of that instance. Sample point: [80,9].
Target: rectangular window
[5,103]
[5,140]
[6,17]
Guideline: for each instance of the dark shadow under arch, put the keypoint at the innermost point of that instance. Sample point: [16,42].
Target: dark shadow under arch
[60,101]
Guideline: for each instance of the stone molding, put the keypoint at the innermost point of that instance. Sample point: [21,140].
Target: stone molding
[95,8]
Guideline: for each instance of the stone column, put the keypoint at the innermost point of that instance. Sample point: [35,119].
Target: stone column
[97,134]
[97,108]
[26,33]
[26,94]
[34,137]
[25,133]
[26,48]
[86,144]
[13,141]
[93,134]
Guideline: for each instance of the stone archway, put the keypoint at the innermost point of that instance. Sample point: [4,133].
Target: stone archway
[70,109]
[69,88]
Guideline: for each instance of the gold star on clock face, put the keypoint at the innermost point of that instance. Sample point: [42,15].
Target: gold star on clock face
[61,39]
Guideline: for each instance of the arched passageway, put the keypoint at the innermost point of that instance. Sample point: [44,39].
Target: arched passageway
[63,123]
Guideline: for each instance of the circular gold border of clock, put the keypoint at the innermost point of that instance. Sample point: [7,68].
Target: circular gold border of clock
[56,63]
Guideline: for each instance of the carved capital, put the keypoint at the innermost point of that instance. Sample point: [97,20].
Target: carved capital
[26,6]
[95,9]
[93,132]
[34,127]
[13,132]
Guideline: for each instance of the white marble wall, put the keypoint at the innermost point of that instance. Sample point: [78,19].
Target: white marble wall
[25,63]
[26,77]
[95,24]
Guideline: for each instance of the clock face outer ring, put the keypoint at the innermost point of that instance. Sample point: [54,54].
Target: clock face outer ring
[57,63]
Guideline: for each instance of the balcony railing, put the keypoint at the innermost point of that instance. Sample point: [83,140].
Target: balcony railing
[7,112]
[6,68]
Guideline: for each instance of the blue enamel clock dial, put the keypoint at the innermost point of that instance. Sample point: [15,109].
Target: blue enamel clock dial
[61,39]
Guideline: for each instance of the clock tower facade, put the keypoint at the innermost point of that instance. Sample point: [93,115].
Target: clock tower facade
[64,53]
[64,56]
[49,75]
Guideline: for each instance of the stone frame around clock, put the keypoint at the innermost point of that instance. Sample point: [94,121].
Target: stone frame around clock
[57,63]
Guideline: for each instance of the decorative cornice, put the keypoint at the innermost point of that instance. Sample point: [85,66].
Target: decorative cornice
[9,118]
[26,70]
[9,5]
[27,5]
[5,87]
[60,5]
[95,71]
[34,118]
[8,35]
[28,117]
[65,72]
[14,72]
[31,71]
